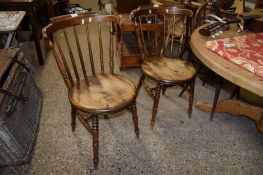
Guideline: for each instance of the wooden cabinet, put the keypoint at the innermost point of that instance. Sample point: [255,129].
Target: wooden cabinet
[127,45]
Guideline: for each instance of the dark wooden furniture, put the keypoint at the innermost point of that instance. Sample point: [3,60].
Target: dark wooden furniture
[232,73]
[159,51]
[127,47]
[128,5]
[29,7]
[103,91]
[259,4]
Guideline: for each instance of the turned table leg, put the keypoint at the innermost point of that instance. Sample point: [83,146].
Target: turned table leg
[236,108]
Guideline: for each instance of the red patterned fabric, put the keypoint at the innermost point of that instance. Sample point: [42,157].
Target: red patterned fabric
[245,51]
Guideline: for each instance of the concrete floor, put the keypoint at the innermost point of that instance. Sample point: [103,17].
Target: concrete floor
[177,144]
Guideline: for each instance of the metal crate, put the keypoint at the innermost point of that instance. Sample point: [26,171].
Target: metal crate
[20,109]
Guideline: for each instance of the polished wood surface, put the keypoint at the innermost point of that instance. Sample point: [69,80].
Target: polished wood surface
[93,87]
[169,70]
[29,7]
[104,93]
[161,50]
[232,73]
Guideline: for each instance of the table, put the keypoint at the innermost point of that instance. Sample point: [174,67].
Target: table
[29,7]
[9,22]
[232,73]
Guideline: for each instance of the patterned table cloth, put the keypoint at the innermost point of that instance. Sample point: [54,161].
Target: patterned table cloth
[245,51]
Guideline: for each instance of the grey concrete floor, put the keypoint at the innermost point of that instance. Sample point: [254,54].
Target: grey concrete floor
[177,144]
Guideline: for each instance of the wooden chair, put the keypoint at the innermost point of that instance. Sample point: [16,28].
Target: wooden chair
[158,63]
[101,93]
[200,15]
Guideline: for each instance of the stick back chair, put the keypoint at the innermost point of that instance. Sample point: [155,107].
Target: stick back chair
[95,90]
[154,28]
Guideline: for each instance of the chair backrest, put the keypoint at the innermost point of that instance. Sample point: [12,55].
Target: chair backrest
[157,30]
[77,43]
[200,15]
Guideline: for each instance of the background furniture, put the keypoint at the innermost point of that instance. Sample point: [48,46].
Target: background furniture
[95,92]
[9,22]
[29,7]
[128,5]
[232,73]
[259,4]
[127,45]
[160,52]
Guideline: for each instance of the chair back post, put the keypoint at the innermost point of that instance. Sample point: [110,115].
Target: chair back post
[65,36]
[199,16]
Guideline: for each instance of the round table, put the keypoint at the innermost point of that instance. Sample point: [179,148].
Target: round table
[232,73]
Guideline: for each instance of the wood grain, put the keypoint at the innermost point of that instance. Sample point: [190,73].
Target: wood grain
[105,93]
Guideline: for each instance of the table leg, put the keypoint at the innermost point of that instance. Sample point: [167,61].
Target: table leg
[217,93]
[236,108]
[32,17]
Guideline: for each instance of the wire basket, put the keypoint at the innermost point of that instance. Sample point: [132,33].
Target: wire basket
[20,109]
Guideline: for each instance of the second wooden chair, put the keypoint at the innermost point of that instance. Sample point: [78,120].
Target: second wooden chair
[155,26]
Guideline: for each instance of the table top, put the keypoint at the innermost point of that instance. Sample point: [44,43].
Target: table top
[223,67]
[16,4]
[14,1]
[10,20]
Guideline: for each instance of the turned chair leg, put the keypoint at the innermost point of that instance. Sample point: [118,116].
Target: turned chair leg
[155,104]
[140,84]
[183,90]
[73,118]
[163,90]
[191,97]
[95,143]
[135,118]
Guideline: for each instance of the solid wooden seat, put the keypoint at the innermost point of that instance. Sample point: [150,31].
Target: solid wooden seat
[169,70]
[102,95]
[161,48]
[78,44]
